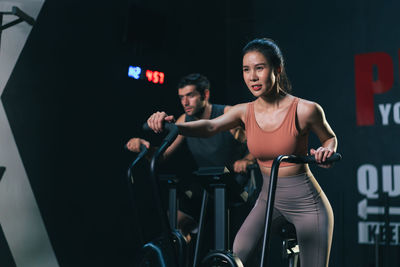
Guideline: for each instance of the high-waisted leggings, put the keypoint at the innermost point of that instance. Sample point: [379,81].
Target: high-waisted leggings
[300,200]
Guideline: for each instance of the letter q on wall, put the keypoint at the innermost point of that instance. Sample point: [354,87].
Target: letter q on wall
[367,181]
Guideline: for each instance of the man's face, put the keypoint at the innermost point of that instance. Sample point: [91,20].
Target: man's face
[191,100]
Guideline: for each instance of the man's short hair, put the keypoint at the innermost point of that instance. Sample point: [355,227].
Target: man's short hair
[201,82]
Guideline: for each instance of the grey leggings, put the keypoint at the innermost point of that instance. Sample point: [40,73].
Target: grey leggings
[300,200]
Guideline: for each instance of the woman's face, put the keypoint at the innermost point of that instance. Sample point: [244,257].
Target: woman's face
[258,74]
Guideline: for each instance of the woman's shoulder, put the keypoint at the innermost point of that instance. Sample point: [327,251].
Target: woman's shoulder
[307,109]
[238,111]
[238,107]
[306,105]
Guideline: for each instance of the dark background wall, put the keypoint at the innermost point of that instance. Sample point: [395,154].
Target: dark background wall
[72,106]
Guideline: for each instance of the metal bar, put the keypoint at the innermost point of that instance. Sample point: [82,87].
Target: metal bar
[376,250]
[10,24]
[155,181]
[2,170]
[220,217]
[21,14]
[388,233]
[270,207]
[201,227]
[172,205]
[1,24]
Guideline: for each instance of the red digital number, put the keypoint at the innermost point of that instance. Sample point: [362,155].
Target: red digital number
[149,75]
[161,77]
[155,77]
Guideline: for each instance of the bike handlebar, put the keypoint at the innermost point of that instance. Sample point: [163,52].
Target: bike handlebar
[154,179]
[310,159]
[171,128]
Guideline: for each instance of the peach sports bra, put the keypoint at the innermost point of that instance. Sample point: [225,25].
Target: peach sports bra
[284,140]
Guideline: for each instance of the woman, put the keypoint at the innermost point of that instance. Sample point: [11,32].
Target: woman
[277,123]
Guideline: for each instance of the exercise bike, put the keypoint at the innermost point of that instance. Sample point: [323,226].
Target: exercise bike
[215,182]
[290,248]
[169,249]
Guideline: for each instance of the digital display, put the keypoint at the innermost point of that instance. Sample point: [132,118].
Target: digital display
[152,76]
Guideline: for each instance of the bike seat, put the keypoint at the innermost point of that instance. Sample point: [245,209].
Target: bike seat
[211,176]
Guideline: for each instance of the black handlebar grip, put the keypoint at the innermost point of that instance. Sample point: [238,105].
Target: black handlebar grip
[252,167]
[143,148]
[146,127]
[168,126]
[311,159]
[171,128]
[172,132]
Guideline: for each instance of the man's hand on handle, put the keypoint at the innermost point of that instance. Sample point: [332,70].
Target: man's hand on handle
[134,144]
[240,166]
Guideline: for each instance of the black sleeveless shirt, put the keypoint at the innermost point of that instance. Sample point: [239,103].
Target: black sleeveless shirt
[221,149]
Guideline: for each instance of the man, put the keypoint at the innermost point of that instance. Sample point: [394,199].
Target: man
[224,149]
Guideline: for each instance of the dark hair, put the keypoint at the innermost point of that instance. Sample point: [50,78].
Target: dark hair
[274,56]
[201,82]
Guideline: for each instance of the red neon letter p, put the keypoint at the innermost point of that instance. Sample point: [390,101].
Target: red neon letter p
[366,86]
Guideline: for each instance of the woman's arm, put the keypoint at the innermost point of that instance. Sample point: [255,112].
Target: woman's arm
[202,128]
[205,128]
[312,116]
